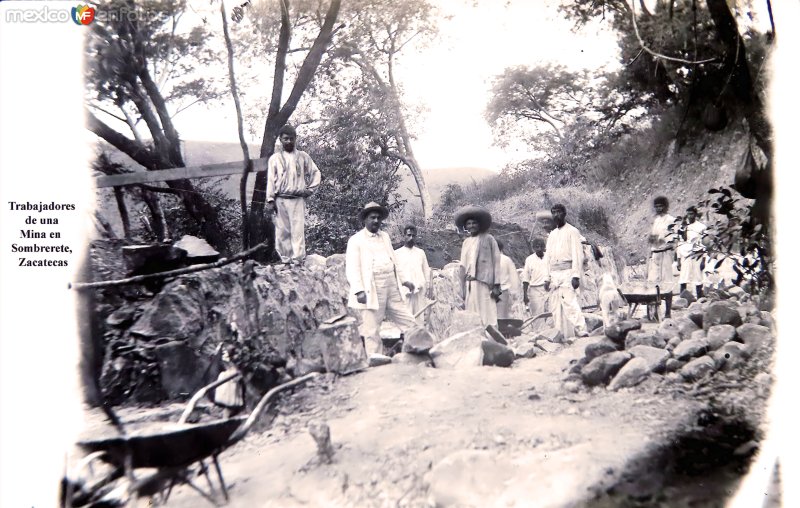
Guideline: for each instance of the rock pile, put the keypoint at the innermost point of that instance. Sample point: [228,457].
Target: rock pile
[710,336]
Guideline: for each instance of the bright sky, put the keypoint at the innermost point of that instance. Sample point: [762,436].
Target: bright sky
[452,77]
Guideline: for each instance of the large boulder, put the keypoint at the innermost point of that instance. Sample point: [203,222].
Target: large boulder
[417,340]
[497,355]
[524,349]
[673,365]
[338,345]
[753,336]
[645,338]
[461,321]
[690,349]
[619,330]
[459,351]
[270,310]
[599,348]
[631,374]
[698,368]
[315,261]
[680,303]
[448,290]
[593,322]
[600,370]
[721,313]
[182,370]
[656,358]
[718,335]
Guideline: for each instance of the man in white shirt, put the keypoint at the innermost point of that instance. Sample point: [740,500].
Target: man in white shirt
[662,252]
[414,272]
[688,259]
[291,177]
[564,266]
[373,275]
[534,275]
[509,285]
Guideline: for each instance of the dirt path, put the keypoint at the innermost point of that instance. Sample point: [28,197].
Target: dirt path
[416,436]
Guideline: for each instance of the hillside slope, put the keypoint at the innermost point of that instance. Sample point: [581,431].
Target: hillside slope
[682,174]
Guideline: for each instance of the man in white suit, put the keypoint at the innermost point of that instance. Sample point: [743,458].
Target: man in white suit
[372,273]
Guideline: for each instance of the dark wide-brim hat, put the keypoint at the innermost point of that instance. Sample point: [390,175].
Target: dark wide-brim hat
[482,215]
[372,206]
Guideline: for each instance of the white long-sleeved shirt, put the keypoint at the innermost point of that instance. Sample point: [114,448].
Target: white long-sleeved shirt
[291,173]
[661,230]
[564,246]
[412,265]
[535,270]
[509,280]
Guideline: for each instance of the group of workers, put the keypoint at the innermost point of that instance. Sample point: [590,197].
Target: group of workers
[396,284]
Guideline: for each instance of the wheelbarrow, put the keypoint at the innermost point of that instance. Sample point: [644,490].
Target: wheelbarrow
[172,452]
[650,294]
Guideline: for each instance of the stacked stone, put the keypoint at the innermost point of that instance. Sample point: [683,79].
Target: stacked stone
[711,335]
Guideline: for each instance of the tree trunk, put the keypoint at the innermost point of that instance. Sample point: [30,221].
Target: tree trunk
[198,208]
[123,212]
[741,78]
[158,222]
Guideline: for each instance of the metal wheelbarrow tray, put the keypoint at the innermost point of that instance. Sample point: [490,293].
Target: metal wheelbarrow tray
[647,293]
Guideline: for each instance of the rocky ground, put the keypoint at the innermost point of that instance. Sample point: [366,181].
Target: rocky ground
[547,431]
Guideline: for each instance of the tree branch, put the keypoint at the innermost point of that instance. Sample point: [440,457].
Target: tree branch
[659,55]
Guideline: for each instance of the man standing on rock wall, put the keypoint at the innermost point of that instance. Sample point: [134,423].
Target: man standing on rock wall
[564,265]
[662,253]
[480,257]
[291,177]
[414,272]
[374,278]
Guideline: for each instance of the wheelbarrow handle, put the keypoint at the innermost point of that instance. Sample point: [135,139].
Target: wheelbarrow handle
[202,392]
[262,404]
[419,313]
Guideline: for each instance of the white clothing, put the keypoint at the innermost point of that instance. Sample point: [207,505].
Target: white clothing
[413,267]
[567,312]
[288,174]
[290,229]
[479,300]
[659,269]
[690,266]
[661,230]
[564,255]
[564,250]
[390,306]
[509,285]
[535,270]
[359,262]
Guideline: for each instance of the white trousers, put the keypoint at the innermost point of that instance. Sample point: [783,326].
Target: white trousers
[504,306]
[479,300]
[537,300]
[690,271]
[390,306]
[290,229]
[416,301]
[567,313]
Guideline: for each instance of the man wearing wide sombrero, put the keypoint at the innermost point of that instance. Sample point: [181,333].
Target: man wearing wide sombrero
[480,257]
[372,273]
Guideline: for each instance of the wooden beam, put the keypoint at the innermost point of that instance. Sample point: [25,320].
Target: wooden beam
[163,175]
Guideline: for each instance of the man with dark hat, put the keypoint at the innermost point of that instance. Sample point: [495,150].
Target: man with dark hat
[564,267]
[291,177]
[371,268]
[480,257]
